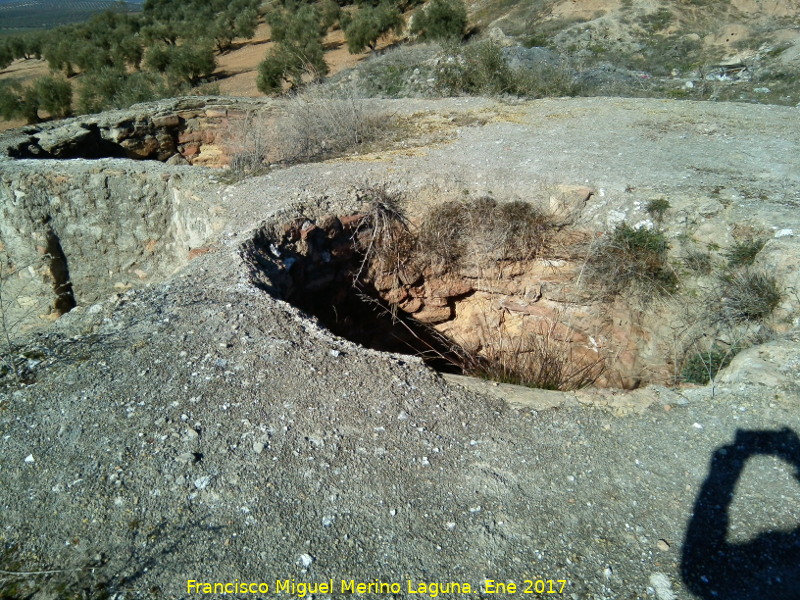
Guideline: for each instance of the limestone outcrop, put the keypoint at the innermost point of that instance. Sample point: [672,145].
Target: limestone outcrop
[194,130]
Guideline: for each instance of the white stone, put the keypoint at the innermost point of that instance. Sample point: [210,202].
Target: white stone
[662,586]
[306,560]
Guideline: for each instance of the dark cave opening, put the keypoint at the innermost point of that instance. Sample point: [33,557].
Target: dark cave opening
[507,308]
[321,269]
[59,271]
[87,143]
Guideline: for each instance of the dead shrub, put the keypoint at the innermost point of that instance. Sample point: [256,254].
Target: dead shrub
[698,262]
[315,126]
[441,241]
[383,236]
[481,232]
[504,231]
[248,141]
[523,229]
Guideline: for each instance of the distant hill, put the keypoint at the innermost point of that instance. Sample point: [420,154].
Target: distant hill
[25,15]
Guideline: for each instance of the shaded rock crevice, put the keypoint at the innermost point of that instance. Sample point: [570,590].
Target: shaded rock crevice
[185,132]
[59,271]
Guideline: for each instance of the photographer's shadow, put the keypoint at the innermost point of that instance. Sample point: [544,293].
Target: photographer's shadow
[766,567]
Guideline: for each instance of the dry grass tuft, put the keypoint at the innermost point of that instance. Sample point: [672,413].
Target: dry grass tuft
[743,253]
[537,361]
[316,126]
[383,237]
[749,296]
[248,142]
[441,241]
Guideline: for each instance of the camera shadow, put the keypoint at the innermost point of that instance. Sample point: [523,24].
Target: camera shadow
[768,566]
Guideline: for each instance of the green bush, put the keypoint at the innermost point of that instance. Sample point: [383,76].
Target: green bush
[329,14]
[657,21]
[279,65]
[369,24]
[114,88]
[545,80]
[55,96]
[288,63]
[6,56]
[191,62]
[489,70]
[295,25]
[440,20]
[18,101]
[238,19]
[24,101]
[186,63]
[703,365]
[221,20]
[98,90]
[298,50]
[157,57]
[58,52]
[657,208]
[632,260]
[23,45]
[482,68]
[476,69]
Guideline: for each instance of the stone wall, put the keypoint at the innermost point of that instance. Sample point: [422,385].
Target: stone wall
[77,231]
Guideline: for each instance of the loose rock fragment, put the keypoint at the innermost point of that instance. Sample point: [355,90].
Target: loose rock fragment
[661,584]
[306,560]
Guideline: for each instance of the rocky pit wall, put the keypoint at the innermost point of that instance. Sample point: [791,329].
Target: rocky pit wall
[504,309]
[75,231]
[514,307]
[82,231]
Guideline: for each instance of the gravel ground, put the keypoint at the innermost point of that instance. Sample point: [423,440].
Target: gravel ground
[201,430]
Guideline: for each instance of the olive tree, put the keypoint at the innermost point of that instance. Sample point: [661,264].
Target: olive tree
[440,20]
[369,24]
